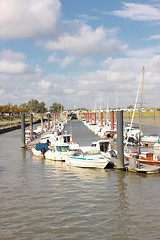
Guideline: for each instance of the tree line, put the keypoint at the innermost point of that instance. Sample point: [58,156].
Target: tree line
[33,106]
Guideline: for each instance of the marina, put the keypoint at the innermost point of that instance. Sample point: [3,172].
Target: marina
[62,147]
[79,120]
[48,199]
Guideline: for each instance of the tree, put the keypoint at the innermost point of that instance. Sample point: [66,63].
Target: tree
[130,106]
[55,108]
[33,105]
[42,108]
[23,105]
[36,107]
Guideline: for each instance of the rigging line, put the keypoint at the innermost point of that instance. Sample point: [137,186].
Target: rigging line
[134,111]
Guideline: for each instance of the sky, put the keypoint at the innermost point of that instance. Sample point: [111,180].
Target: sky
[80,53]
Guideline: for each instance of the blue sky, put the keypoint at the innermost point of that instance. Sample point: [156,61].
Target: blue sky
[85,53]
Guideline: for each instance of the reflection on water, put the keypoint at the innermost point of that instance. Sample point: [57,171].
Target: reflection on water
[43,199]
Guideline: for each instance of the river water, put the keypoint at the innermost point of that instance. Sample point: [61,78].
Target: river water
[47,200]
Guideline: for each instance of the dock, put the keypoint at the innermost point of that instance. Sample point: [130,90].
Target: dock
[143,168]
[32,143]
[133,166]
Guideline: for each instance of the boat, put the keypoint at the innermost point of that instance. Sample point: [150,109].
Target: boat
[92,159]
[143,157]
[156,146]
[27,135]
[132,135]
[40,149]
[148,158]
[59,152]
[104,147]
[67,139]
[54,138]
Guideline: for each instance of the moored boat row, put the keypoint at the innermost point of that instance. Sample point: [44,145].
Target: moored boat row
[58,146]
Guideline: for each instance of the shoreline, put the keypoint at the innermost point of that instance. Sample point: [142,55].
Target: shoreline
[15,127]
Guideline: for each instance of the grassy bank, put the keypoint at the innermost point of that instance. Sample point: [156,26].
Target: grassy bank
[10,121]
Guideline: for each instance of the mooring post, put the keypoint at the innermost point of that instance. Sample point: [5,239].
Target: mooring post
[31,126]
[48,120]
[23,145]
[120,144]
[95,118]
[42,123]
[112,120]
[101,119]
[90,117]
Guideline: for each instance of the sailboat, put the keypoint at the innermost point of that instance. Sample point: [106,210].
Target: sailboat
[142,157]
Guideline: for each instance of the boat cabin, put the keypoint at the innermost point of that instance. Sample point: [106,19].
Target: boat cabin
[102,145]
[66,138]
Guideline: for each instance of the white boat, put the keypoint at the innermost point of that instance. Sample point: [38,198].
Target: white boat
[40,149]
[88,160]
[49,138]
[157,145]
[59,152]
[67,138]
[132,135]
[104,147]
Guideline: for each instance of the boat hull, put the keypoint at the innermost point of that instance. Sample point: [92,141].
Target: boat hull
[55,156]
[87,163]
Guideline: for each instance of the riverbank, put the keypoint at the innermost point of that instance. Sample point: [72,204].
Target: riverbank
[9,127]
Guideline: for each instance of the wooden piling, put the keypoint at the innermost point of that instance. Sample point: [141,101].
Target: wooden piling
[42,123]
[101,119]
[112,120]
[23,145]
[95,118]
[90,117]
[31,126]
[48,123]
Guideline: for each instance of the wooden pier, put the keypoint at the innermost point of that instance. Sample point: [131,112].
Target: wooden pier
[32,143]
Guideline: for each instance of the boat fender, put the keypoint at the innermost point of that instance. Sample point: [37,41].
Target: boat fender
[72,142]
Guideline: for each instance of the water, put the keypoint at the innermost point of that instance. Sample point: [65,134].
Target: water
[47,200]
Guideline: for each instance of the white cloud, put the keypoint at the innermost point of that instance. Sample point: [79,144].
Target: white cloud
[44,84]
[146,52]
[53,58]
[12,68]
[87,17]
[68,60]
[85,62]
[139,12]
[85,40]
[119,75]
[12,62]
[27,19]
[154,37]
[64,62]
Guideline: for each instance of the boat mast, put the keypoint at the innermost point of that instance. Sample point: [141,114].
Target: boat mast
[141,108]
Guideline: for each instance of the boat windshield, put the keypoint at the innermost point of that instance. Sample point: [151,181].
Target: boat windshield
[62,148]
[94,152]
[104,146]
